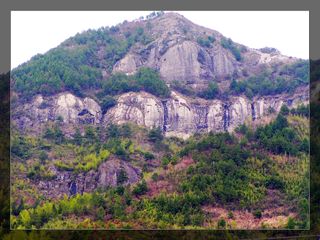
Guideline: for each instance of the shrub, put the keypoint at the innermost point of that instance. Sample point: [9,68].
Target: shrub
[55,134]
[304,145]
[43,156]
[291,224]
[204,42]
[155,177]
[222,223]
[211,38]
[88,162]
[243,129]
[122,177]
[155,135]
[230,215]
[149,80]
[284,110]
[257,214]
[100,213]
[148,156]
[302,110]
[107,103]
[267,84]
[121,152]
[211,92]
[182,88]
[145,79]
[90,135]
[196,219]
[120,190]
[229,44]
[275,182]
[271,110]
[113,131]
[21,147]
[165,161]
[140,188]
[126,131]
[77,137]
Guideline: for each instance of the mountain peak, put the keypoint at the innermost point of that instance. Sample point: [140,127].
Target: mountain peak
[167,42]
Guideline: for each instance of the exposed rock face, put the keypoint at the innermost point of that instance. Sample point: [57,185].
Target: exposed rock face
[180,63]
[107,175]
[128,64]
[176,53]
[69,108]
[181,116]
[224,62]
[141,108]
[177,116]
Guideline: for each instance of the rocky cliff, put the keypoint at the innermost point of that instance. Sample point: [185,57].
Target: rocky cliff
[178,115]
[177,53]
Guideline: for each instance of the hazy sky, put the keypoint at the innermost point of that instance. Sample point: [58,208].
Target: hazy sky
[34,32]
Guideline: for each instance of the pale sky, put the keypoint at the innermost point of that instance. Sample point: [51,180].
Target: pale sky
[34,32]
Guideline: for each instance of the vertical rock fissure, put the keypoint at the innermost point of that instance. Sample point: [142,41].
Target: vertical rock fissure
[253,112]
[202,117]
[226,117]
[206,117]
[165,115]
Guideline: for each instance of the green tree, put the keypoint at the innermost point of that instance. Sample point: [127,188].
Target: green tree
[25,218]
[113,131]
[126,131]
[43,156]
[155,135]
[140,188]
[291,223]
[107,103]
[58,135]
[100,213]
[257,213]
[90,135]
[150,81]
[211,92]
[122,177]
[222,223]
[284,110]
[77,137]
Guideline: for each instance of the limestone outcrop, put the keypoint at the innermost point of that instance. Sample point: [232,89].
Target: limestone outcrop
[178,115]
[108,174]
[64,107]
[178,55]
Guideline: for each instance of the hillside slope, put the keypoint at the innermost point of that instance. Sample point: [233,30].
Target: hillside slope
[159,124]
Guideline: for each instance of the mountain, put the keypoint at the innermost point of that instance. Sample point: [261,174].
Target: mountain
[194,62]
[159,123]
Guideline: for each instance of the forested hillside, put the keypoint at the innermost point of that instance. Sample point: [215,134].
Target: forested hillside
[160,123]
[263,171]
